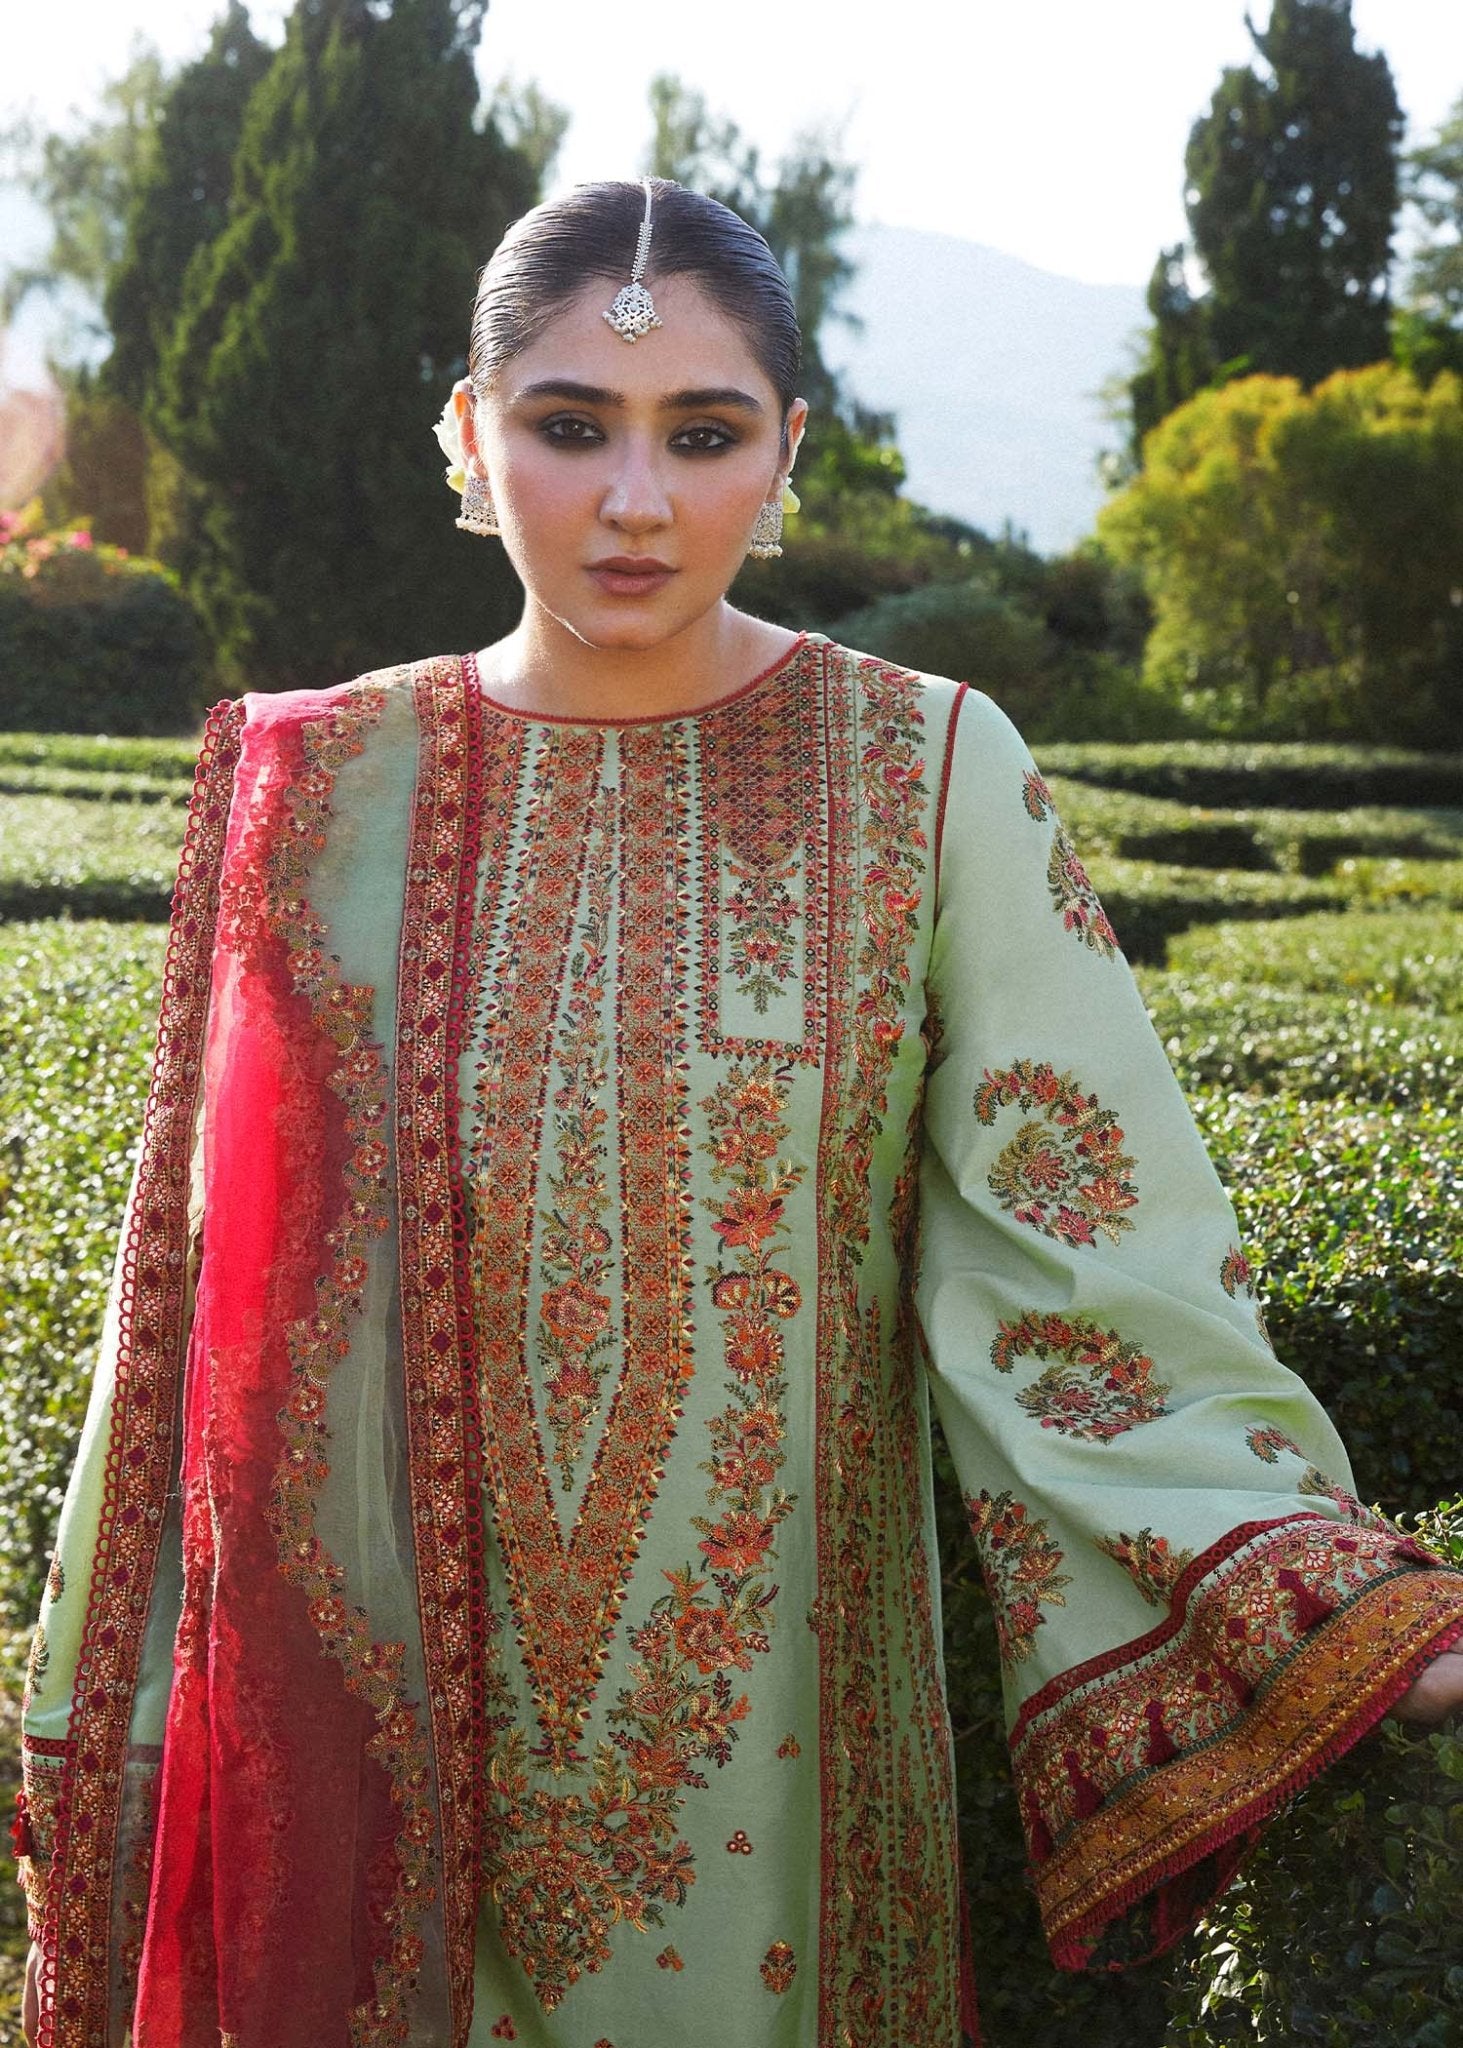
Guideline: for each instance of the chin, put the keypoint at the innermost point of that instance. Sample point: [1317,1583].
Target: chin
[626,629]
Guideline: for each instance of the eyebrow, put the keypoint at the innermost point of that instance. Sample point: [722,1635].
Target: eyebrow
[692,400]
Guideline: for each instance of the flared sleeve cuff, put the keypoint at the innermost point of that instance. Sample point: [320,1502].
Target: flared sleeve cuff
[33,1830]
[1147,1775]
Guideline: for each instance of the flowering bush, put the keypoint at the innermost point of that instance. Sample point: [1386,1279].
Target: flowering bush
[92,638]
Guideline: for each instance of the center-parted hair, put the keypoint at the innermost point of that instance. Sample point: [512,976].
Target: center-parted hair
[550,254]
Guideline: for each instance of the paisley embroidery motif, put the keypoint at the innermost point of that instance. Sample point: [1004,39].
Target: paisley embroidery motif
[1235,1273]
[1020,1564]
[1101,1387]
[1268,1443]
[1072,893]
[1067,1177]
[1150,1561]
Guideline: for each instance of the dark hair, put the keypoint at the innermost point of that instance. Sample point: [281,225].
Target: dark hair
[548,256]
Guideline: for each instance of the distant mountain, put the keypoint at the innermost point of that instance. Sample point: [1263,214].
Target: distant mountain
[991,368]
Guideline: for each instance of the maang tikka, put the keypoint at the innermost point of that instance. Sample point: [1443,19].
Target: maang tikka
[633,312]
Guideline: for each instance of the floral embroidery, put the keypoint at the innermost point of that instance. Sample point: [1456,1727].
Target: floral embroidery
[1268,1443]
[1152,1563]
[1318,1485]
[789,1746]
[746,1121]
[1102,1386]
[778,1967]
[374,1671]
[36,1664]
[1020,1564]
[879,1865]
[503,2029]
[575,1336]
[1036,797]
[1074,1161]
[1236,1272]
[669,1959]
[56,1579]
[739,1845]
[1073,895]
[1071,887]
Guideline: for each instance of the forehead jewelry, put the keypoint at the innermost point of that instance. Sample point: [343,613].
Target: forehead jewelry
[633,312]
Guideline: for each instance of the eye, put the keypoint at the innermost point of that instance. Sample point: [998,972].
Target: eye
[706,439]
[567,430]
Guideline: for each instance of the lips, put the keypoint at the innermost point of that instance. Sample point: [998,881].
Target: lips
[630,575]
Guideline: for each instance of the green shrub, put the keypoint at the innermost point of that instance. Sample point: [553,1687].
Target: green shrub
[1232,776]
[1390,956]
[87,859]
[1353,1217]
[1223,1034]
[964,630]
[94,754]
[77,1016]
[92,640]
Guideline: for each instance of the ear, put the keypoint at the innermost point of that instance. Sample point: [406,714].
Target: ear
[797,420]
[462,399]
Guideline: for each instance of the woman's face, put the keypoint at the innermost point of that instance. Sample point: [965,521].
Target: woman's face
[603,454]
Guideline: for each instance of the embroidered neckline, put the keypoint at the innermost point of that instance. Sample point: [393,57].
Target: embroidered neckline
[785,661]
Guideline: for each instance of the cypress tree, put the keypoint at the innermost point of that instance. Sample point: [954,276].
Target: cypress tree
[319,334]
[1292,194]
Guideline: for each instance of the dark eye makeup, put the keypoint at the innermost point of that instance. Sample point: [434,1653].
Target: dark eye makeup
[571,430]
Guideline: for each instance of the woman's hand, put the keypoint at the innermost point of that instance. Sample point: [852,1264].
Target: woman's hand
[1435,1693]
[30,2012]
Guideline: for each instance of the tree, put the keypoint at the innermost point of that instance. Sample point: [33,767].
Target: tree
[802,211]
[179,200]
[1428,333]
[83,181]
[1301,552]
[1291,193]
[1178,358]
[318,336]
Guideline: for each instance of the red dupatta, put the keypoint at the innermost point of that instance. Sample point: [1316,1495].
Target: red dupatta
[313,1875]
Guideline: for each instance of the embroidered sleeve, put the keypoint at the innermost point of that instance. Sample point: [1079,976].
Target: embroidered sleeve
[1193,1608]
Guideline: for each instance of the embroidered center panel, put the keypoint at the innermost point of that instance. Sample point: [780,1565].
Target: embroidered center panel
[763,982]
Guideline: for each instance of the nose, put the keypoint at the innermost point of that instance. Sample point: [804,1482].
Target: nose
[636,499]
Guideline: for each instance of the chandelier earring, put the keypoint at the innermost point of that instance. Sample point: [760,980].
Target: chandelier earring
[766,542]
[478,515]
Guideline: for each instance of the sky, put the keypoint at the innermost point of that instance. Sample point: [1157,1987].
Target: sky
[1054,131]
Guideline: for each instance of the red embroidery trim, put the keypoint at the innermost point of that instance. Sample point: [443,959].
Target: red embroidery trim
[75,1931]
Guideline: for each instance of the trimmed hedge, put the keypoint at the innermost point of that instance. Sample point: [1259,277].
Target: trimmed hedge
[1387,956]
[1116,822]
[77,1018]
[1297,777]
[1353,1218]
[1218,1034]
[87,859]
[1150,904]
[96,754]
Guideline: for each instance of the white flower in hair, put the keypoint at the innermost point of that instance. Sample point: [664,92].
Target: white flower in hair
[449,439]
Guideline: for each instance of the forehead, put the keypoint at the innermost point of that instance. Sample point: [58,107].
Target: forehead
[695,347]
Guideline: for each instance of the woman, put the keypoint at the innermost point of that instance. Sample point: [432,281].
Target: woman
[496,1599]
